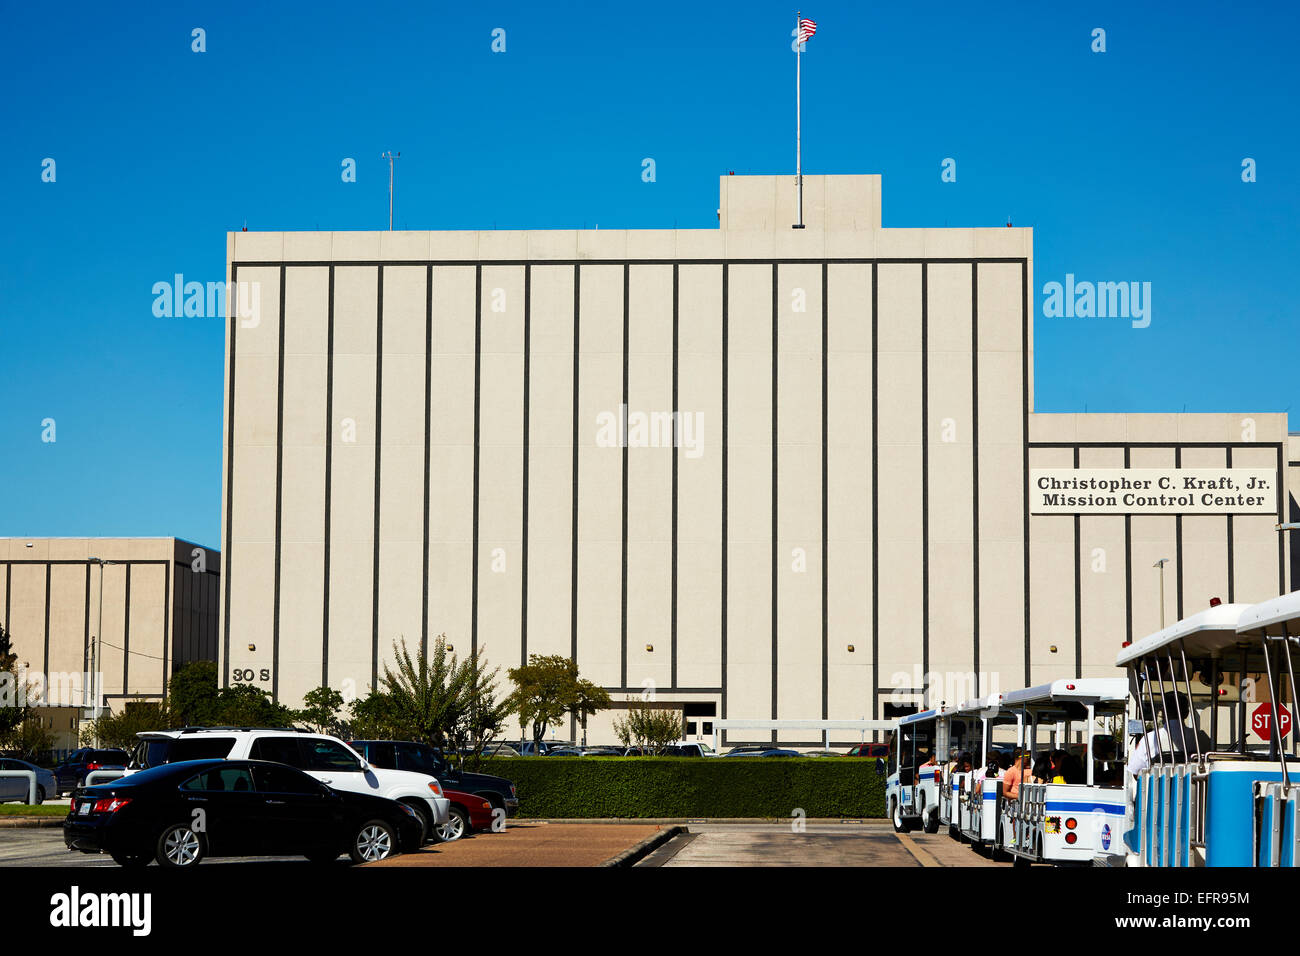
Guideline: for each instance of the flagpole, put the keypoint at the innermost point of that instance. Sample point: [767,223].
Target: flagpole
[798,117]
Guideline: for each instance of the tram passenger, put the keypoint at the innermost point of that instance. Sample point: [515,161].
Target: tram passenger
[992,768]
[1107,771]
[1042,769]
[1015,775]
[1172,739]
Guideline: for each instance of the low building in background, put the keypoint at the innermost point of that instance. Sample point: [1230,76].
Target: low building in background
[134,610]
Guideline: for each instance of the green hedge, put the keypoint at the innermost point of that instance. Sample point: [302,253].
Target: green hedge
[633,787]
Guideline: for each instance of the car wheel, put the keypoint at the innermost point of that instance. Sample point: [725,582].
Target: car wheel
[457,826]
[40,795]
[427,830]
[179,847]
[374,840]
[131,860]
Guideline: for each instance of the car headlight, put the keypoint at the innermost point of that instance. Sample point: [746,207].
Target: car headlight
[436,788]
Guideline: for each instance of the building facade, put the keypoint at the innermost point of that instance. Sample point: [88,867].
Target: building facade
[757,472]
[148,609]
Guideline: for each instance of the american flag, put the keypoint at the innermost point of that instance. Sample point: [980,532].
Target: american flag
[806,30]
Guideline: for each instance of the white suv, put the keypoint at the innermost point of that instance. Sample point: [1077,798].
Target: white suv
[328,759]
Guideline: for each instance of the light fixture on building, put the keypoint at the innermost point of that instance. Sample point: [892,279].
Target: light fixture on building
[1052,649]
[252,647]
[649,648]
[850,648]
[451,649]
[29,544]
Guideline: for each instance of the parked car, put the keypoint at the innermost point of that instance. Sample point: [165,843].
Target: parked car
[423,758]
[692,749]
[249,808]
[500,750]
[15,788]
[820,753]
[747,750]
[469,814]
[880,751]
[326,758]
[71,773]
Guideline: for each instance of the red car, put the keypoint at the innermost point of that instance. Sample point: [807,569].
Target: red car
[870,750]
[469,813]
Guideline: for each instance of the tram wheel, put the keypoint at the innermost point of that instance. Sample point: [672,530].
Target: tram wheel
[896,814]
[932,823]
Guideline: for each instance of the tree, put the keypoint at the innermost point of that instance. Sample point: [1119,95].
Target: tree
[485,715]
[548,688]
[244,705]
[429,694]
[320,711]
[192,695]
[119,730]
[649,728]
[13,699]
[373,717]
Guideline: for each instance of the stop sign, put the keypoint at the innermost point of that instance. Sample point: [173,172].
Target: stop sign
[1261,721]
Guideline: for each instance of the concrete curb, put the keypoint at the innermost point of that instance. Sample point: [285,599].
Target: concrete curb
[12,823]
[632,855]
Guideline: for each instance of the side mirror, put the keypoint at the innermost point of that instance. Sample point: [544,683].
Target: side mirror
[364,766]
[880,767]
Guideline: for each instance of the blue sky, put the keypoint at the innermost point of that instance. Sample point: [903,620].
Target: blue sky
[1126,163]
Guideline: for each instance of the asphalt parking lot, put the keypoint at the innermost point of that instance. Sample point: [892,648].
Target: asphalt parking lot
[534,843]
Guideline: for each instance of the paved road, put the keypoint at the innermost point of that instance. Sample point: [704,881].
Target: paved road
[532,843]
[871,843]
[44,847]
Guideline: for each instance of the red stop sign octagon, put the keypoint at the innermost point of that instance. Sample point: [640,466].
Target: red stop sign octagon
[1261,721]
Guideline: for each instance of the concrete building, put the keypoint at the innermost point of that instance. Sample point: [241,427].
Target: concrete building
[149,609]
[472,433]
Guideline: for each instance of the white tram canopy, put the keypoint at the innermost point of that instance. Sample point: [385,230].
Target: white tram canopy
[1083,690]
[1204,634]
[1277,617]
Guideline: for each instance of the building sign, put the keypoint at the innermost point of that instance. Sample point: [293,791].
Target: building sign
[1152,491]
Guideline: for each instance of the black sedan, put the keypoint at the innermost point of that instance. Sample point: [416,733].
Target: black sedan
[179,813]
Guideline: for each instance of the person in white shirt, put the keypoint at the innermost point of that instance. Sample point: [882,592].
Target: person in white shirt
[1171,737]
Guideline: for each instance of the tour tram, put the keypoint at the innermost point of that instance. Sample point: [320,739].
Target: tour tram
[979,798]
[1075,821]
[1190,803]
[914,773]
[966,735]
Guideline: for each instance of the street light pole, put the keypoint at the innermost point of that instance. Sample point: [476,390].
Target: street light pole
[390,156]
[1161,565]
[95,641]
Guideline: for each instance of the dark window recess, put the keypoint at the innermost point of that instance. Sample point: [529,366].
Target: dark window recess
[278,750]
[707,728]
[415,758]
[898,710]
[221,780]
[690,728]
[284,780]
[700,709]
